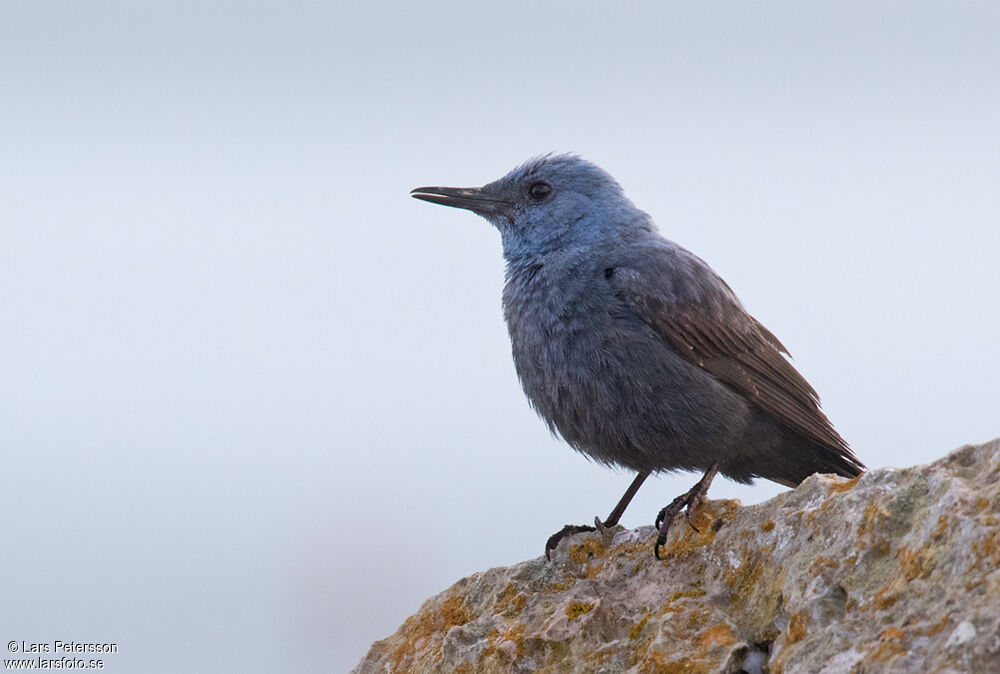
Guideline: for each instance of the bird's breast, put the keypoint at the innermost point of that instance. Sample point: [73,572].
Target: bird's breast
[563,341]
[605,380]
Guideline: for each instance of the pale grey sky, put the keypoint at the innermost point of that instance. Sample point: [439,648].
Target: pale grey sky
[256,403]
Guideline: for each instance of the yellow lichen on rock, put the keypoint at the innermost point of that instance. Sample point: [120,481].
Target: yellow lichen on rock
[894,571]
[582,553]
[575,609]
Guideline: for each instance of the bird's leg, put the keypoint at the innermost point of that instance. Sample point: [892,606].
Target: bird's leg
[626,498]
[611,521]
[688,502]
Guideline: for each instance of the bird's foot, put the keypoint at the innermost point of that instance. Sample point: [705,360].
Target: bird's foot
[603,529]
[688,502]
[570,530]
[665,518]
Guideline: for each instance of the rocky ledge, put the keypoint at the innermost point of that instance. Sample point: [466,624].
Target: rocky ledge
[895,571]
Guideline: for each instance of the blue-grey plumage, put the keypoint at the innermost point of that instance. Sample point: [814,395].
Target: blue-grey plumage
[632,348]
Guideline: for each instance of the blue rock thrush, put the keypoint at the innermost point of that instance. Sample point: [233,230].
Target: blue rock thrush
[634,350]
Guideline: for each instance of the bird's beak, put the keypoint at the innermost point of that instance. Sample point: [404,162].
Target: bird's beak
[472,198]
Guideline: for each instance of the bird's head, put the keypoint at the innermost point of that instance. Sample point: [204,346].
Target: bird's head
[549,203]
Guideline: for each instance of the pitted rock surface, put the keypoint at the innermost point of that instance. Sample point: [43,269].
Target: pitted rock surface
[895,571]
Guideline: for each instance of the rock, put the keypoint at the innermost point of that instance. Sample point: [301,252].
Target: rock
[895,571]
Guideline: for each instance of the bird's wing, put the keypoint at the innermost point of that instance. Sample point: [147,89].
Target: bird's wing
[699,316]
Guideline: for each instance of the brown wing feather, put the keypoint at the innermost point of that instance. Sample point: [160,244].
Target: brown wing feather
[719,336]
[769,336]
[750,362]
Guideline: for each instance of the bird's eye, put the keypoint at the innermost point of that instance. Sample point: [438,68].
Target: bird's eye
[539,191]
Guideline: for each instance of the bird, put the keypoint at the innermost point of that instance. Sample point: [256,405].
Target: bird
[634,350]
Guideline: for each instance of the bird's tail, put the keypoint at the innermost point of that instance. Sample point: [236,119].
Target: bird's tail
[802,457]
[780,454]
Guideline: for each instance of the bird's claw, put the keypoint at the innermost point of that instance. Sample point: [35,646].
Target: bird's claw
[569,530]
[687,515]
[686,502]
[669,512]
[600,528]
[661,539]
